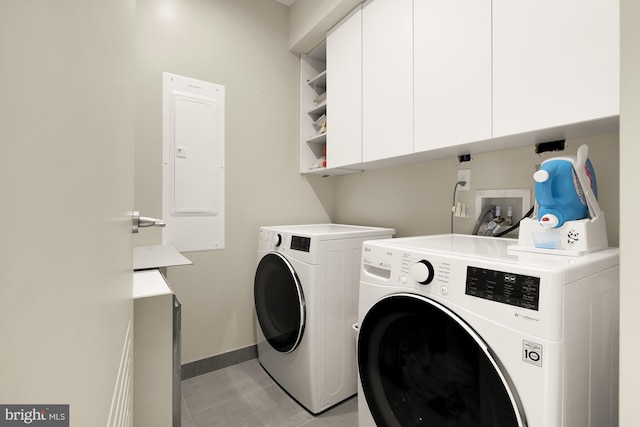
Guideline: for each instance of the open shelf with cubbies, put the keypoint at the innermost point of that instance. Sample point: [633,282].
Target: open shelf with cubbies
[313,110]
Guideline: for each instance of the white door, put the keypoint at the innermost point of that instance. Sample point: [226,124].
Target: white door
[66,180]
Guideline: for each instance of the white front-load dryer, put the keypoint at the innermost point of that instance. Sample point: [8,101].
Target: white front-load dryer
[455,331]
[306,299]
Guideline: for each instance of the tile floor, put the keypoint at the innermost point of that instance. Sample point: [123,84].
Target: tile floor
[244,395]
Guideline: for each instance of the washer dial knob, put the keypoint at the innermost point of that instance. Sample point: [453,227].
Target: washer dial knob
[422,271]
[276,240]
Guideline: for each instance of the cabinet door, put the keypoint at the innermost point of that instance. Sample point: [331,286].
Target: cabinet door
[344,94]
[387,79]
[554,63]
[452,72]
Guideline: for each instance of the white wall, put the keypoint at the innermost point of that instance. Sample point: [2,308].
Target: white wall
[243,45]
[629,208]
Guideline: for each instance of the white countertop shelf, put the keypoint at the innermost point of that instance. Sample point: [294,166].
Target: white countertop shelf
[156,256]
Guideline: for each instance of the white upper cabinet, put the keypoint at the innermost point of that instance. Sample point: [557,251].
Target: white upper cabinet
[554,63]
[452,72]
[411,80]
[387,79]
[344,99]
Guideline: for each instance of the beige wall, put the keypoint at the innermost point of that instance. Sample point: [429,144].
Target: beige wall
[629,208]
[416,199]
[243,45]
[309,21]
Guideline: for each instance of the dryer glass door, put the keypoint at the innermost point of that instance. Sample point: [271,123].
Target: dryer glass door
[279,300]
[420,364]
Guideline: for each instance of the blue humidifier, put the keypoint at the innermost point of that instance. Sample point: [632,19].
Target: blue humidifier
[558,191]
[569,221]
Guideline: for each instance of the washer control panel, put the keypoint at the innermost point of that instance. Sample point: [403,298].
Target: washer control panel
[508,288]
[395,266]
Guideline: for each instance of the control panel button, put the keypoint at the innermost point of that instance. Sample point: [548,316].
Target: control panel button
[444,290]
[422,272]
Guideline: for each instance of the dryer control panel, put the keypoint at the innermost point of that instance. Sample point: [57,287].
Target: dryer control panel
[300,243]
[508,288]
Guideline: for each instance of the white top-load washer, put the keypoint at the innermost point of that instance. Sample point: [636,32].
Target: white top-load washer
[454,330]
[306,298]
